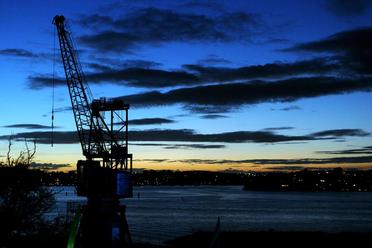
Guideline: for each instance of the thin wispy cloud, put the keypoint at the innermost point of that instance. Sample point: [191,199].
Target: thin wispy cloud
[289,164]
[17,52]
[29,126]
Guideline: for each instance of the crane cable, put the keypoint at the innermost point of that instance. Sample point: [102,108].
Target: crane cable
[54,61]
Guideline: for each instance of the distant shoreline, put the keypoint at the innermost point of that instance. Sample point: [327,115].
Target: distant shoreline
[335,180]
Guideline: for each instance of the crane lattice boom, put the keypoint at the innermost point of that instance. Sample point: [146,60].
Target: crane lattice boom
[102,127]
[106,174]
[98,139]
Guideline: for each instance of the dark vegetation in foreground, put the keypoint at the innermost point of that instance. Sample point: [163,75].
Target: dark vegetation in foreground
[227,240]
[24,200]
[23,204]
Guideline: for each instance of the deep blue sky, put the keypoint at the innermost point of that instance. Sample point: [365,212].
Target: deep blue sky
[254,85]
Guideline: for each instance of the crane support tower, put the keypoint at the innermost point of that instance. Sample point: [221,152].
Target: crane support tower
[104,176]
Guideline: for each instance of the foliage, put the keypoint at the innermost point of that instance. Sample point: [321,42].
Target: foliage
[25,157]
[23,199]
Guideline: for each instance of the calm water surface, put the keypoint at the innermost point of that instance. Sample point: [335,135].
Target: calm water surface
[165,212]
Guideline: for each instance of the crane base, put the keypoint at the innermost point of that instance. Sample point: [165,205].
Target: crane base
[96,181]
[104,224]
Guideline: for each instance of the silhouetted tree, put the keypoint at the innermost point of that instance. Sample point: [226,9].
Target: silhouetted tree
[23,200]
[25,157]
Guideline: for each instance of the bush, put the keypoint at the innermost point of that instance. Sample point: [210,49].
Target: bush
[23,202]
[23,198]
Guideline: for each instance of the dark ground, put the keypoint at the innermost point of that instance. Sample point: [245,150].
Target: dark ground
[276,239]
[229,239]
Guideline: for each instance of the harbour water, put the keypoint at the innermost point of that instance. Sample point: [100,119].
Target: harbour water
[159,213]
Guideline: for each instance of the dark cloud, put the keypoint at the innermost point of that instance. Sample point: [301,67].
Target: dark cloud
[37,82]
[28,126]
[139,73]
[271,70]
[135,77]
[340,140]
[111,63]
[278,40]
[347,8]
[335,160]
[194,146]
[26,54]
[200,5]
[288,162]
[222,98]
[364,150]
[151,160]
[289,108]
[58,110]
[213,60]
[14,52]
[98,67]
[186,135]
[294,162]
[148,144]
[110,41]
[341,133]
[148,78]
[346,41]
[230,96]
[181,146]
[48,166]
[63,109]
[239,136]
[139,63]
[156,26]
[44,137]
[208,109]
[352,48]
[277,128]
[95,21]
[213,116]
[150,121]
[286,168]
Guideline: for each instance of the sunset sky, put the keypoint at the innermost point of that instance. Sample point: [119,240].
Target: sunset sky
[213,85]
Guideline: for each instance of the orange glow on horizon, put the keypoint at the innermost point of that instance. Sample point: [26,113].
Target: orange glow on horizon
[233,167]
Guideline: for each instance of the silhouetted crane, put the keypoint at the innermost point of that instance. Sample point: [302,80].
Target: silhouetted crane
[105,176]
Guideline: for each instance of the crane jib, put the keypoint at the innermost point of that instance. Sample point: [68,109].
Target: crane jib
[104,141]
